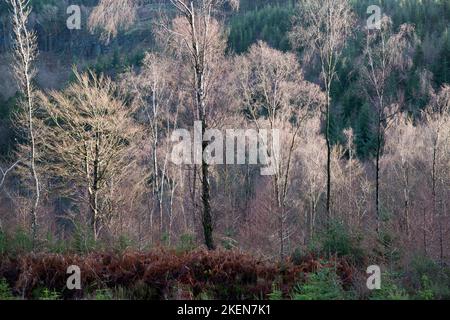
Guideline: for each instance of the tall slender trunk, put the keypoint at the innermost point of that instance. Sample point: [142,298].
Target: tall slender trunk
[206,189]
[25,54]
[194,199]
[377,176]
[406,200]
[34,217]
[207,218]
[94,189]
[434,196]
[199,72]
[172,195]
[425,232]
[280,213]
[328,141]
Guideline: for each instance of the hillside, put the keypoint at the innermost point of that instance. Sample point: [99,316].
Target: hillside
[224,149]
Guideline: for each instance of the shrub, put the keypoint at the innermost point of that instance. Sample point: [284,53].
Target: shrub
[55,245]
[186,243]
[103,294]
[337,240]
[5,292]
[83,240]
[276,294]
[223,274]
[18,242]
[391,289]
[46,294]
[322,285]
[429,279]
[426,291]
[3,243]
[124,243]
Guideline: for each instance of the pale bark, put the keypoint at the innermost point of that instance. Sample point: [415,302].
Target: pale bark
[322,28]
[25,53]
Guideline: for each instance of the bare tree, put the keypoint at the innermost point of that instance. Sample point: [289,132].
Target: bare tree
[88,141]
[311,173]
[155,95]
[437,115]
[199,40]
[322,28]
[25,53]
[386,53]
[398,163]
[272,84]
[111,16]
[352,183]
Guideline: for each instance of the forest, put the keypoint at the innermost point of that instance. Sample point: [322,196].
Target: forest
[133,146]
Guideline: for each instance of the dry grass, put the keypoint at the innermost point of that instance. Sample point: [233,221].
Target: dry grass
[162,274]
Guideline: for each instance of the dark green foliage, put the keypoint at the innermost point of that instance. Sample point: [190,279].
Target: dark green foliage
[18,243]
[324,284]
[441,68]
[7,134]
[36,4]
[298,256]
[387,248]
[337,240]
[390,289]
[269,24]
[83,240]
[55,245]
[116,63]
[3,243]
[270,21]
[186,243]
[365,138]
[103,294]
[124,243]
[5,291]
[428,278]
[276,294]
[45,294]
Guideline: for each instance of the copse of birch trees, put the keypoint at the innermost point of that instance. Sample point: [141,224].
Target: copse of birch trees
[97,154]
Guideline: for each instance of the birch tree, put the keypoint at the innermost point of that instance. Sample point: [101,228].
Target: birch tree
[278,98]
[322,27]
[198,40]
[111,16]
[25,54]
[155,94]
[437,116]
[386,59]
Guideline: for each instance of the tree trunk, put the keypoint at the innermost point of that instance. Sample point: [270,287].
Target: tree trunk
[95,187]
[207,218]
[328,141]
[434,196]
[206,190]
[377,176]
[34,222]
[206,198]
[425,232]
[407,201]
